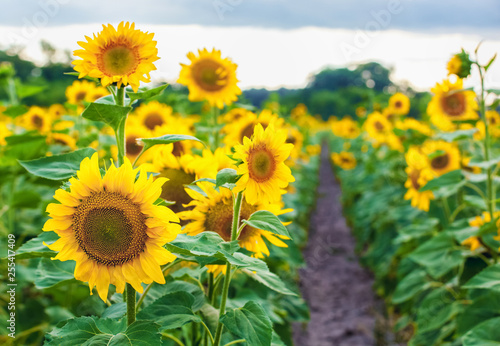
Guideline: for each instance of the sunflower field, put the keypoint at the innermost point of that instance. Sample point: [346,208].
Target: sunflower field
[133,214]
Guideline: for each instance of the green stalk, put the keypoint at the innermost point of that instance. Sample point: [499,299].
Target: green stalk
[227,278]
[487,143]
[130,304]
[120,131]
[120,142]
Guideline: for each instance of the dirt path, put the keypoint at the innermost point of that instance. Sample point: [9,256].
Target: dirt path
[337,289]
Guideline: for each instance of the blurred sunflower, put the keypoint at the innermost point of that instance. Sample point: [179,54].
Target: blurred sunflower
[178,126]
[61,139]
[153,114]
[451,103]
[399,104]
[419,174]
[4,132]
[413,124]
[344,160]
[179,171]
[263,171]
[36,118]
[210,78]
[346,128]
[473,241]
[213,211]
[111,227]
[443,157]
[124,56]
[133,148]
[244,126]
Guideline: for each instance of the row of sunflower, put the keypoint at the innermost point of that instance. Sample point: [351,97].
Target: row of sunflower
[171,216]
[420,195]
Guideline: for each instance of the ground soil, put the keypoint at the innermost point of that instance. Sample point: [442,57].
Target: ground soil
[337,289]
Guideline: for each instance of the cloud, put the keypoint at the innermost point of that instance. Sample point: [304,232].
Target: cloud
[422,15]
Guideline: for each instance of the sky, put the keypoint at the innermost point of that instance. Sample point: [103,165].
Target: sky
[276,43]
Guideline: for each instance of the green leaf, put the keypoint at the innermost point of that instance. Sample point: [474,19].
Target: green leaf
[250,323]
[166,139]
[171,311]
[26,146]
[258,270]
[226,177]
[58,167]
[104,331]
[456,135]
[410,285]
[267,221]
[144,95]
[26,199]
[490,62]
[204,248]
[488,278]
[35,248]
[438,255]
[52,272]
[445,185]
[110,114]
[482,308]
[437,308]
[24,90]
[15,111]
[484,164]
[475,201]
[484,334]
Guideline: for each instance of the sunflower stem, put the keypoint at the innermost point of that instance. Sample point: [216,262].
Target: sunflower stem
[120,130]
[227,278]
[487,143]
[214,137]
[130,304]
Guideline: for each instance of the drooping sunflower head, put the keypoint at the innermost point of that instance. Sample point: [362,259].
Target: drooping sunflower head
[399,104]
[263,169]
[124,56]
[451,103]
[153,114]
[111,227]
[443,157]
[213,211]
[459,65]
[210,77]
[344,160]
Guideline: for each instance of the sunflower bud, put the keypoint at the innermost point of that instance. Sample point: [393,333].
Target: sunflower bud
[460,65]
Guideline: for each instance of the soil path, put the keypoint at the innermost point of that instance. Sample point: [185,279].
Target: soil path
[337,289]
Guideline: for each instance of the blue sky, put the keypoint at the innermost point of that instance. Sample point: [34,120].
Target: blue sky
[275,42]
[419,15]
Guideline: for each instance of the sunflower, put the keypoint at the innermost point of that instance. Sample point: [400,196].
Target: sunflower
[4,132]
[443,157]
[36,119]
[263,171]
[134,131]
[111,227]
[244,126]
[344,160]
[84,90]
[153,114]
[123,56]
[211,163]
[179,170]
[56,111]
[413,124]
[418,175]
[213,211]
[61,139]
[399,104]
[379,128]
[451,103]
[345,128]
[235,114]
[298,112]
[179,126]
[459,65]
[474,242]
[295,137]
[210,78]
